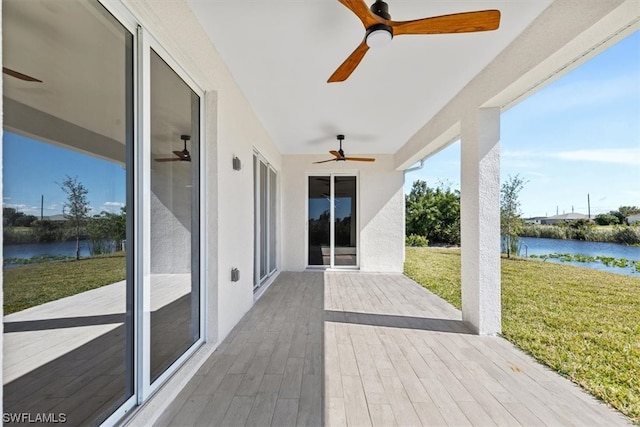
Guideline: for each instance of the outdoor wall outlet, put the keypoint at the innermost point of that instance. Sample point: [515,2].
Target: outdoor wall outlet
[235,274]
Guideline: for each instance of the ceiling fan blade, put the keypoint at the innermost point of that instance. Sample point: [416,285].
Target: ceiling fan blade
[346,68]
[335,153]
[325,161]
[466,22]
[361,10]
[182,155]
[360,159]
[19,75]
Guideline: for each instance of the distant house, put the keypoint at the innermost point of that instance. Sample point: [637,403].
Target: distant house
[632,219]
[535,220]
[564,217]
[55,218]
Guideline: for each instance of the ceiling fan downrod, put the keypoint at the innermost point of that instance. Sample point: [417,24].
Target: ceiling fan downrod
[187,155]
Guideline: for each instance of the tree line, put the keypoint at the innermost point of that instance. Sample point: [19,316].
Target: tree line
[105,231]
[432,217]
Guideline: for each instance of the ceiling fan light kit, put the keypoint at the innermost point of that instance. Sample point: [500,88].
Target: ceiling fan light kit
[378,36]
[380,29]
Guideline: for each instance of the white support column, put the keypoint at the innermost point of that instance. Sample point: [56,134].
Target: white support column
[480,220]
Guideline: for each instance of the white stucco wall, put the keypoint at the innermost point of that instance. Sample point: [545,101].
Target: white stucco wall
[380,218]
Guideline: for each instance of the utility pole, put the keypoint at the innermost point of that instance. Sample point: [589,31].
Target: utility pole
[589,205]
[41,207]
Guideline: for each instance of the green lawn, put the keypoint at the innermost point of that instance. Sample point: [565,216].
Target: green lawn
[585,324]
[35,284]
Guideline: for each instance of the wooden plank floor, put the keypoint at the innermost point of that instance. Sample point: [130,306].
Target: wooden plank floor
[361,349]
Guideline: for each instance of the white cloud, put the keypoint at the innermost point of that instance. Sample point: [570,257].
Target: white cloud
[112,207]
[621,156]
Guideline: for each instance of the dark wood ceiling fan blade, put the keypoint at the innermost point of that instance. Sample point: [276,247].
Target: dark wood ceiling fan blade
[360,159]
[335,153]
[346,68]
[182,155]
[466,22]
[325,161]
[361,10]
[19,75]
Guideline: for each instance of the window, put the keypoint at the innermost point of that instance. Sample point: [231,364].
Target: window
[265,212]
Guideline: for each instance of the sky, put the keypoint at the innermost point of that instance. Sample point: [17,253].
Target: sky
[34,169]
[576,138]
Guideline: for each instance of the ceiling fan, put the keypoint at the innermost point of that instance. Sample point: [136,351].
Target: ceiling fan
[19,75]
[183,156]
[340,157]
[380,29]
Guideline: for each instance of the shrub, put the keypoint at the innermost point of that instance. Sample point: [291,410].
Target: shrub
[433,213]
[416,240]
[510,245]
[627,235]
[545,231]
[606,219]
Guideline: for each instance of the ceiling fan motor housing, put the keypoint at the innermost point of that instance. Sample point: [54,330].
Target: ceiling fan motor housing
[381,9]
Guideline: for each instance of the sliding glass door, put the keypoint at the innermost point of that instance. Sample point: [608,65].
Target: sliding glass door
[332,221]
[264,210]
[68,276]
[174,214]
[101,213]
[344,227]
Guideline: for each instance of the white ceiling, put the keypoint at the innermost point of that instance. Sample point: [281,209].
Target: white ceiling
[281,53]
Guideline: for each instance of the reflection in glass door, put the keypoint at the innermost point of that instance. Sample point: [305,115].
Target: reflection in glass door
[67,192]
[174,233]
[332,226]
[319,220]
[344,202]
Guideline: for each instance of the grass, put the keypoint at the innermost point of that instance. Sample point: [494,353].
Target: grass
[31,285]
[584,324]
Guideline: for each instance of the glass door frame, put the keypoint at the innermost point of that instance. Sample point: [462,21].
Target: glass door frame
[140,224]
[146,42]
[271,201]
[126,19]
[332,204]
